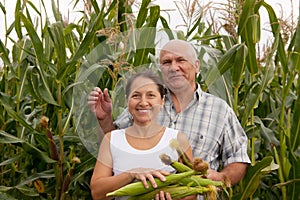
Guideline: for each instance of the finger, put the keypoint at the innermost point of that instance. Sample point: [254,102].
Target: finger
[97,89]
[161,195]
[157,196]
[151,179]
[144,181]
[159,175]
[94,94]
[106,95]
[165,173]
[168,196]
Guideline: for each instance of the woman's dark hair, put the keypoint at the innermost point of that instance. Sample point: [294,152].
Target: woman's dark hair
[150,75]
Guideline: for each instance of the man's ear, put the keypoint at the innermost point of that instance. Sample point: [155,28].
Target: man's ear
[197,66]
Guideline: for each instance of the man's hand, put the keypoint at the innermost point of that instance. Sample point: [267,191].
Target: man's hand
[233,173]
[100,103]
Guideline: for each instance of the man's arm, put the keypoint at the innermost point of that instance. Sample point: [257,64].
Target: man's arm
[107,124]
[234,172]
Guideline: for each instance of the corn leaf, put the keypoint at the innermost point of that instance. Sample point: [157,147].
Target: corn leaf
[4,54]
[252,178]
[276,32]
[2,8]
[11,160]
[166,27]
[254,94]
[239,64]
[37,43]
[146,40]
[294,143]
[27,147]
[13,114]
[85,44]
[28,191]
[225,63]
[142,15]
[17,23]
[40,175]
[57,35]
[245,15]
[39,85]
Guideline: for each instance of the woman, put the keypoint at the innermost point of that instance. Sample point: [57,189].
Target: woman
[131,154]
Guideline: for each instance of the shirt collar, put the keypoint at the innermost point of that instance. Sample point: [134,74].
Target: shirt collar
[197,94]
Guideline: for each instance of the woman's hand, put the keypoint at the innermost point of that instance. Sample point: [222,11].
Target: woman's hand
[144,174]
[166,196]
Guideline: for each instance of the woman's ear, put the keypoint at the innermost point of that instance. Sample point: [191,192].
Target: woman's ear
[163,101]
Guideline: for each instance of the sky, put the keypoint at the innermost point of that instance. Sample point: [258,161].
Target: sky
[282,8]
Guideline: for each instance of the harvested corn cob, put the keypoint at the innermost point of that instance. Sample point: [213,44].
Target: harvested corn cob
[138,188]
[197,180]
[175,192]
[180,167]
[175,145]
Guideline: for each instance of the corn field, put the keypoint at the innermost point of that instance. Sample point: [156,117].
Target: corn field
[49,138]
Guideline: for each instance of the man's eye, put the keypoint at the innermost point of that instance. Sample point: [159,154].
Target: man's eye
[166,62]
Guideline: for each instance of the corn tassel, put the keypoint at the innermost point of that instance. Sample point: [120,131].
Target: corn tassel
[138,188]
[178,166]
[175,192]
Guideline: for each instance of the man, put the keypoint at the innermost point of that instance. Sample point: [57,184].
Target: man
[213,129]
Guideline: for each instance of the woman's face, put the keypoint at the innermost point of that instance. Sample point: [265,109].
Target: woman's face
[144,101]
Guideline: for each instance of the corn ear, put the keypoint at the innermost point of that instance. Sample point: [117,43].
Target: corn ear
[178,166]
[175,145]
[196,180]
[138,188]
[175,192]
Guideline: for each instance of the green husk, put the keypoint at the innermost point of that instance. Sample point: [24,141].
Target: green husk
[178,166]
[175,192]
[138,188]
[197,180]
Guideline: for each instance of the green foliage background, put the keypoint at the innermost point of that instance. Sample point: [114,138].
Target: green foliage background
[48,137]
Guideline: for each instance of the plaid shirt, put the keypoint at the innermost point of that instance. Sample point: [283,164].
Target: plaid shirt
[214,132]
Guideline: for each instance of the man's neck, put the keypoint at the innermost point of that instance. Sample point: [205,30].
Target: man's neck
[181,99]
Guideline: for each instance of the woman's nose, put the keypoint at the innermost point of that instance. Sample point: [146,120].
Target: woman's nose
[143,101]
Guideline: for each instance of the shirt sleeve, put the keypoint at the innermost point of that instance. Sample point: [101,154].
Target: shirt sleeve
[235,141]
[124,120]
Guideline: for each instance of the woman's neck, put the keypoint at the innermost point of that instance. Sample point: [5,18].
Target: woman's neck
[144,131]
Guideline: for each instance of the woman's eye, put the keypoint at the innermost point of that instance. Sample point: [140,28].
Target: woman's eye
[135,96]
[152,95]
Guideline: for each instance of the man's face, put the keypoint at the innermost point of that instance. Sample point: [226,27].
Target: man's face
[178,70]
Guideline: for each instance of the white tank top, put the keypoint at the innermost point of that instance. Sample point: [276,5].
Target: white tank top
[125,157]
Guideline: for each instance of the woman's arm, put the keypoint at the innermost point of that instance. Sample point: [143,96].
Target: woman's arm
[102,180]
